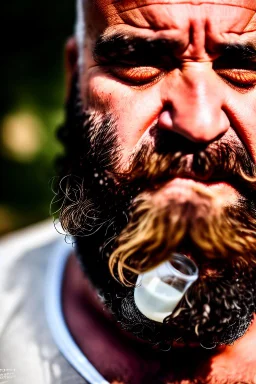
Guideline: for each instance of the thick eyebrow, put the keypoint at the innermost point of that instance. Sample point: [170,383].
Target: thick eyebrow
[239,52]
[137,50]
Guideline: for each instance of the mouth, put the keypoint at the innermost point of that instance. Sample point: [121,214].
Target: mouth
[191,181]
[207,268]
[183,189]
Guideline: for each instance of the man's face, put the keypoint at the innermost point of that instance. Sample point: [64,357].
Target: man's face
[192,77]
[165,157]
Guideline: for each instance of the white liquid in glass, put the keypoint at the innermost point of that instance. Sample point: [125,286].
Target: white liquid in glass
[156,299]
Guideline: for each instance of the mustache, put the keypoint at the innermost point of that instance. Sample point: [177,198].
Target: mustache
[174,156]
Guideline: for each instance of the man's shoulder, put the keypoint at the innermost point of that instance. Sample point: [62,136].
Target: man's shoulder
[26,342]
[35,237]
[30,249]
[34,240]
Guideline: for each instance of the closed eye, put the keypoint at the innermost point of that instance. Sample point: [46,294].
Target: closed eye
[135,75]
[242,78]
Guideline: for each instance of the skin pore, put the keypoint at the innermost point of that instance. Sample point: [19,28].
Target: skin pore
[190,66]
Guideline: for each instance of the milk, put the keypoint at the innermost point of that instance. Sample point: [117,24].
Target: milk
[159,290]
[156,299]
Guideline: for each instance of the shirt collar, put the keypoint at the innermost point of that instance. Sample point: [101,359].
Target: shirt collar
[55,318]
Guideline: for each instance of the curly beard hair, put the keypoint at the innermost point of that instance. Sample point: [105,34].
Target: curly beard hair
[119,218]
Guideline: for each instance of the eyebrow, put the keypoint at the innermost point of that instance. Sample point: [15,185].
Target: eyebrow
[150,51]
[134,49]
[246,51]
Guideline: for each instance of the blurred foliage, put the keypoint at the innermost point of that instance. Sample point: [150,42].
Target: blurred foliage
[31,107]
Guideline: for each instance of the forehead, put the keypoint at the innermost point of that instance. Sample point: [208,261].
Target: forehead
[219,17]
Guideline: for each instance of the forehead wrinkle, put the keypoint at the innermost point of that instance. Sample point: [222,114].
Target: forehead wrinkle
[144,18]
[137,12]
[165,20]
[124,5]
[251,25]
[134,13]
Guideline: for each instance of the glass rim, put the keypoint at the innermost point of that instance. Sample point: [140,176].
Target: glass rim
[182,257]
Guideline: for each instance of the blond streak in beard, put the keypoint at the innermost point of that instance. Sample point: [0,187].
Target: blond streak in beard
[154,232]
[158,227]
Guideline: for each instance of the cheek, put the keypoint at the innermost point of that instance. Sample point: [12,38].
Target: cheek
[243,119]
[251,128]
[133,109]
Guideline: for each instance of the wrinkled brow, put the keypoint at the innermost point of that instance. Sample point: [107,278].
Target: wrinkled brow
[140,50]
[134,49]
[243,51]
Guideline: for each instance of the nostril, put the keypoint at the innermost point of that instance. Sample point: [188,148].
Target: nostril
[165,120]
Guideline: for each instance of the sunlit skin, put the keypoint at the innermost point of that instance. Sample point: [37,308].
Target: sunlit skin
[215,94]
[194,92]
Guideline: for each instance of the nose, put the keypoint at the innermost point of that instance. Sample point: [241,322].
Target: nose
[194,105]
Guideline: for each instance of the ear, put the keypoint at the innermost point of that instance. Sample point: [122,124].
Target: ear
[71,57]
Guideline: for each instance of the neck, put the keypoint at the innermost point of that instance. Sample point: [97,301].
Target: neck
[122,359]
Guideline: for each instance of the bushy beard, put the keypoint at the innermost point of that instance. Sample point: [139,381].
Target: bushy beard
[120,231]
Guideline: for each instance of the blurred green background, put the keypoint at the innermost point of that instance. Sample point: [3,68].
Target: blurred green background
[31,108]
